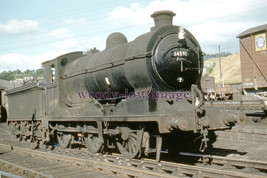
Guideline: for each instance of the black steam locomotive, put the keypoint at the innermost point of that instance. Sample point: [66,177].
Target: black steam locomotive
[131,96]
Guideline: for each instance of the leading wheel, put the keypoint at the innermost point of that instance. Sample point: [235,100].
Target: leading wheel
[63,140]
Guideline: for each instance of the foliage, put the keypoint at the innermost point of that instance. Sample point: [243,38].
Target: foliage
[210,56]
[16,74]
[209,70]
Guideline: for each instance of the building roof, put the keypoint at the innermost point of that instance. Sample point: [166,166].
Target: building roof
[62,56]
[253,30]
[2,87]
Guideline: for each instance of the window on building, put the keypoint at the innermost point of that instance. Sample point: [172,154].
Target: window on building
[52,73]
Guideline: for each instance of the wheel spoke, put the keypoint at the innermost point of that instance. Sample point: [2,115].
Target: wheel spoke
[134,135]
[131,147]
[133,141]
[126,147]
[124,143]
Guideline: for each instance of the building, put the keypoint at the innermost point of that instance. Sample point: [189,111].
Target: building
[253,56]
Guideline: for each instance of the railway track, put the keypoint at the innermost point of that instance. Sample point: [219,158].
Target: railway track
[252,132]
[240,163]
[249,107]
[59,162]
[32,163]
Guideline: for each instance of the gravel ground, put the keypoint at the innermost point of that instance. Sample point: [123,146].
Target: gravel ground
[248,141]
[5,132]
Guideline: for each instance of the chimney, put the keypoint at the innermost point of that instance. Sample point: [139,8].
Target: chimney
[162,18]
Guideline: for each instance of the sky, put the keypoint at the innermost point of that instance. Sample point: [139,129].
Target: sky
[34,31]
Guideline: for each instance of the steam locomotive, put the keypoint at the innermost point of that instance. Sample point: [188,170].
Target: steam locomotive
[131,96]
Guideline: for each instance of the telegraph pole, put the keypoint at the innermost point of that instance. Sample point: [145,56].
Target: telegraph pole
[221,73]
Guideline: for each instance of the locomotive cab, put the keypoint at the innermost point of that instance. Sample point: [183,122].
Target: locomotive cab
[54,85]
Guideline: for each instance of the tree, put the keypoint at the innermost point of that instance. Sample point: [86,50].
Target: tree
[40,72]
[16,74]
[216,55]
